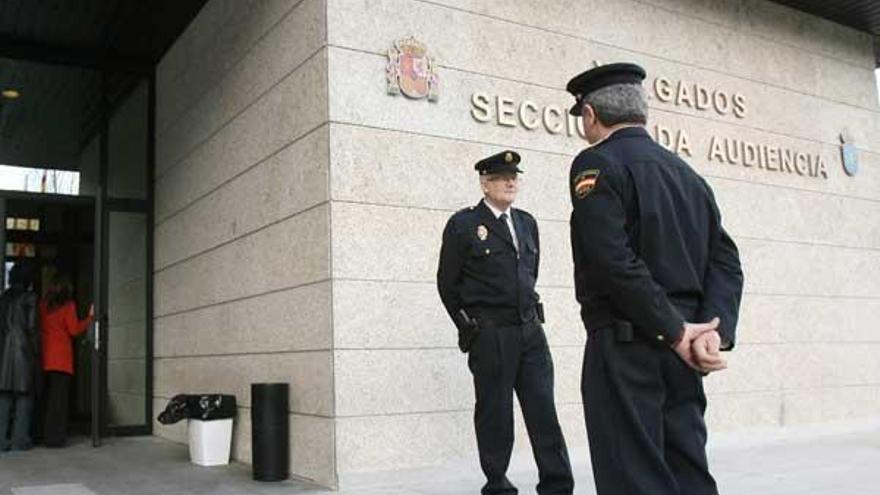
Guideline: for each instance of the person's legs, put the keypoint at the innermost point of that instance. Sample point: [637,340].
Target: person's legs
[490,363]
[6,399]
[623,390]
[21,423]
[534,388]
[58,389]
[686,429]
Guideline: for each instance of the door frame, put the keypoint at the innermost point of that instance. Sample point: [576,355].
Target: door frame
[100,422]
[103,206]
[94,203]
[102,209]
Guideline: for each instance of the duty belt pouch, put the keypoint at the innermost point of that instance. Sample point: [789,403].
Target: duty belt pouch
[623,331]
[539,309]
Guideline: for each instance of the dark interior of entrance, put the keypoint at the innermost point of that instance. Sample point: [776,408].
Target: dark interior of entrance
[77,124]
[56,236]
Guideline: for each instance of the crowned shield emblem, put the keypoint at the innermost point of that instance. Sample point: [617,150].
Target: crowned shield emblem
[411,71]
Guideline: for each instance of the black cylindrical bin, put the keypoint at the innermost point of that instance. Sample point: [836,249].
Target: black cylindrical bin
[270,440]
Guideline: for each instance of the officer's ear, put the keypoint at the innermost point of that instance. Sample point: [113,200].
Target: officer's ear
[590,117]
[484,184]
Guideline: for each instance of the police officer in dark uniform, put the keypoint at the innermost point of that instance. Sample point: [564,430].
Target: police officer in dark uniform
[650,257]
[486,279]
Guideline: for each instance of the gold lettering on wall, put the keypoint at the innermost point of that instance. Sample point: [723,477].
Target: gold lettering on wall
[699,97]
[554,119]
[528,115]
[732,151]
[505,111]
[480,107]
[677,142]
[508,112]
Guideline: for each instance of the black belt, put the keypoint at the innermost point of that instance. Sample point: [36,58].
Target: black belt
[622,330]
[502,317]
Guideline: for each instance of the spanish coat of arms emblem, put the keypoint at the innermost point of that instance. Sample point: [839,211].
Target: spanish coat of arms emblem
[410,71]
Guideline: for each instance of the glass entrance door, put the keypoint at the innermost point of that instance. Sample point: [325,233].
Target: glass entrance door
[127,321]
[90,130]
[125,270]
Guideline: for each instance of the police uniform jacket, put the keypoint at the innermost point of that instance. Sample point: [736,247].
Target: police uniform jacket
[481,270]
[647,241]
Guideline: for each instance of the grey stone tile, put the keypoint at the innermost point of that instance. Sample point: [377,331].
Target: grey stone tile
[66,489]
[274,121]
[289,320]
[779,23]
[219,36]
[797,269]
[284,255]
[386,314]
[310,375]
[294,179]
[295,37]
[564,31]
[797,319]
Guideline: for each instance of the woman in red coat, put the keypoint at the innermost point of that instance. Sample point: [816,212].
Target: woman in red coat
[59,326]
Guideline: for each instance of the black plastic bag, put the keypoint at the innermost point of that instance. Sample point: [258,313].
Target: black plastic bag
[198,406]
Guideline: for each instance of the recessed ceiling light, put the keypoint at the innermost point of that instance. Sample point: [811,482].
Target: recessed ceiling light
[11,94]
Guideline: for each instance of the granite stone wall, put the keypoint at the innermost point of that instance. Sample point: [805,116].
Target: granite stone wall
[774,85]
[242,233]
[299,206]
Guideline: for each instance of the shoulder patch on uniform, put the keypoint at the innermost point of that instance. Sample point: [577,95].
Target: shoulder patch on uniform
[584,182]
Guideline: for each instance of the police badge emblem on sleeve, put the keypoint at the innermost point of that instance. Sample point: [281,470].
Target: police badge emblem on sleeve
[585,182]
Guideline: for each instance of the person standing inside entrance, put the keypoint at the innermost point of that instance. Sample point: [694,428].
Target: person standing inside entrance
[60,325]
[486,278]
[19,359]
[650,257]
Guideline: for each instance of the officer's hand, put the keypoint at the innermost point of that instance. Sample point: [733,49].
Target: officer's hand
[706,351]
[467,334]
[684,347]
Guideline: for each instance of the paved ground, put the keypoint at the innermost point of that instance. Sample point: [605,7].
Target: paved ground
[828,460]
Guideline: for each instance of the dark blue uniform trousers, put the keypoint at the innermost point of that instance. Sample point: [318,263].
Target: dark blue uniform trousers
[505,359]
[644,412]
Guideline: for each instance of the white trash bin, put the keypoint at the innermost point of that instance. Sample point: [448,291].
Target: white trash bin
[210,441]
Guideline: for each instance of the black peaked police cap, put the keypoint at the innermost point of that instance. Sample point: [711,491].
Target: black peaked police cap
[506,161]
[600,77]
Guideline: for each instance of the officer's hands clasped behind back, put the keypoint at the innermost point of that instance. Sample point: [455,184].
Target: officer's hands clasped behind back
[700,346]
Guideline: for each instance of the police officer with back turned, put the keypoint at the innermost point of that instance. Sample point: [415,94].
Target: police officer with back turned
[486,279]
[650,257]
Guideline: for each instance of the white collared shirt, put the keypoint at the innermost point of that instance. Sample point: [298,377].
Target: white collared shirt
[497,213]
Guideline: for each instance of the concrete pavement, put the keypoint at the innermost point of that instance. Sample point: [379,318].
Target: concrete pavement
[807,460]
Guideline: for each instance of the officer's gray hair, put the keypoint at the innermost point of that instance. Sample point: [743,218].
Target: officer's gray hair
[619,104]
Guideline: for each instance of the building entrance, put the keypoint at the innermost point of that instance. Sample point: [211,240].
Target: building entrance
[75,167]
[102,249]
[56,239]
